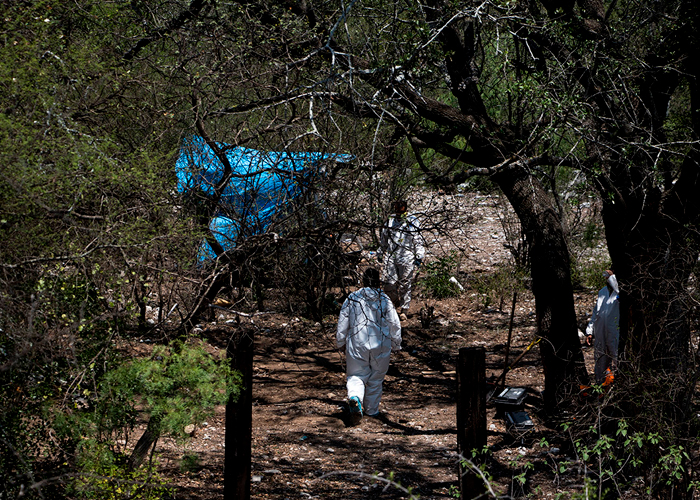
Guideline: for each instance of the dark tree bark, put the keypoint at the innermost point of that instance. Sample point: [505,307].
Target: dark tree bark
[145,444]
[471,416]
[561,353]
[239,421]
[651,208]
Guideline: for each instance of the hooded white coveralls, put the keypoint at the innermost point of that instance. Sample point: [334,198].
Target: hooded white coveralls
[370,330]
[401,245]
[605,328]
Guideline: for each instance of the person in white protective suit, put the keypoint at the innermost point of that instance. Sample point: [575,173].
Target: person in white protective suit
[604,329]
[402,252]
[368,331]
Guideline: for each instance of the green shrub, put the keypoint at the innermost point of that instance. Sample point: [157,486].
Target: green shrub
[622,457]
[588,274]
[435,278]
[190,462]
[179,385]
[103,475]
[496,287]
[176,386]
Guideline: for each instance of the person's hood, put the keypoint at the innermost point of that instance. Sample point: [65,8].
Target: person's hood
[612,283]
[372,297]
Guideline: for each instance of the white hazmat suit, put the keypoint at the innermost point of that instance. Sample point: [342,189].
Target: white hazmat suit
[604,325]
[402,250]
[370,330]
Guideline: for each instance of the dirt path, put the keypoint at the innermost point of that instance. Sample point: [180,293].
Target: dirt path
[300,423]
[302,444]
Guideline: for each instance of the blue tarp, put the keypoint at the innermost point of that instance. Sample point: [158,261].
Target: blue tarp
[262,184]
[225,230]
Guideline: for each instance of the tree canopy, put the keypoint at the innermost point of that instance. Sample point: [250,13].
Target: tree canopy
[550,100]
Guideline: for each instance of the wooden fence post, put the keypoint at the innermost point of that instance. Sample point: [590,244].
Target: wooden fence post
[239,421]
[471,416]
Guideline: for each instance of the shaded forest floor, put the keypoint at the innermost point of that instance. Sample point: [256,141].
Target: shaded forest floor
[304,447]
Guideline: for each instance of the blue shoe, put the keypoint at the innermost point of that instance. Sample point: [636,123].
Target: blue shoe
[355,405]
[355,410]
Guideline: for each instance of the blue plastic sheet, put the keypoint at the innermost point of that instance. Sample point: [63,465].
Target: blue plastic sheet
[262,184]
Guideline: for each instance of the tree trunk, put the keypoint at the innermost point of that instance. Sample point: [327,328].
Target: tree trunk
[653,240]
[653,254]
[560,351]
[147,440]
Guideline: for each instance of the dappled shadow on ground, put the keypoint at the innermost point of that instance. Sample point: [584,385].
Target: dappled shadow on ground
[304,444]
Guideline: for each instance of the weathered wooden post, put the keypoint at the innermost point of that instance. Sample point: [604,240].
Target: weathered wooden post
[471,416]
[510,331]
[239,420]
